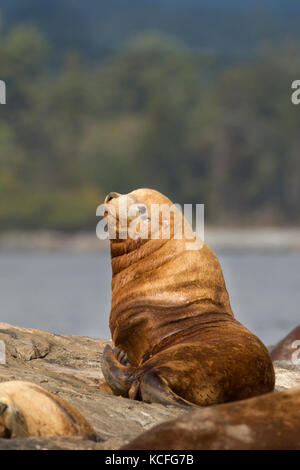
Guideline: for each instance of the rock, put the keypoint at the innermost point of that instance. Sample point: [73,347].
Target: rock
[57,443]
[287,375]
[288,348]
[70,366]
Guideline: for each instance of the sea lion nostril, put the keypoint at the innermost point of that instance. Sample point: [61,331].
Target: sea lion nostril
[111,196]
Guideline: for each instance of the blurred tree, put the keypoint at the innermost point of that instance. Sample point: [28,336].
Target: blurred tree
[155,114]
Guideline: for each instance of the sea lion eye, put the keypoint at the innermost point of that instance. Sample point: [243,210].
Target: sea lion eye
[142,209]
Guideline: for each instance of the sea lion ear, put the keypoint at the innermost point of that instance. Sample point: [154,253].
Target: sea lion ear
[3,408]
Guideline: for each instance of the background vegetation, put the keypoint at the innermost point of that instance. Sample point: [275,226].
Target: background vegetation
[190,98]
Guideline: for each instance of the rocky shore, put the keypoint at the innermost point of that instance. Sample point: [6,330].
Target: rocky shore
[250,239]
[70,367]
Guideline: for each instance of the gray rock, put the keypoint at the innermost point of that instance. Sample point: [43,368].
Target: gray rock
[287,375]
[70,366]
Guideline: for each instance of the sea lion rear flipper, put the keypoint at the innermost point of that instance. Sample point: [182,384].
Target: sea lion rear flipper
[153,389]
[116,375]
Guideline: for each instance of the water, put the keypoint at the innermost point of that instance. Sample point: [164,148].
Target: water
[69,293]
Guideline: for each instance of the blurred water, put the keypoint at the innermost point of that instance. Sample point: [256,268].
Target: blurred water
[65,293]
[69,293]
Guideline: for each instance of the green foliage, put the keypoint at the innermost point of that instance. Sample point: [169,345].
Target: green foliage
[154,114]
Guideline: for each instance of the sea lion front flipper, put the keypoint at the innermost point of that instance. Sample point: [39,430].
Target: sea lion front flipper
[153,389]
[116,375]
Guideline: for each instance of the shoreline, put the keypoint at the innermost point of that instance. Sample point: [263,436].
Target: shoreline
[70,367]
[264,239]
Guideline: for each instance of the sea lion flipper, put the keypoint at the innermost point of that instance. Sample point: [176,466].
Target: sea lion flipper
[116,375]
[121,356]
[153,389]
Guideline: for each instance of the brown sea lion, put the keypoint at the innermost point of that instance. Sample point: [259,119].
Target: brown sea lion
[176,339]
[27,409]
[267,422]
[287,348]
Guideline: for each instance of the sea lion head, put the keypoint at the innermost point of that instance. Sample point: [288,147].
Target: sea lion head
[142,215]
[12,423]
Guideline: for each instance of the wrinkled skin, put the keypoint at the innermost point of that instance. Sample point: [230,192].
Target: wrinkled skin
[176,339]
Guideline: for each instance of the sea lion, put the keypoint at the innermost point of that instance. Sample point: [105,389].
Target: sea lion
[175,336]
[288,347]
[267,422]
[27,409]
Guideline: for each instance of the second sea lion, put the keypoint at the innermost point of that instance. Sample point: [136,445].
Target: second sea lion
[27,409]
